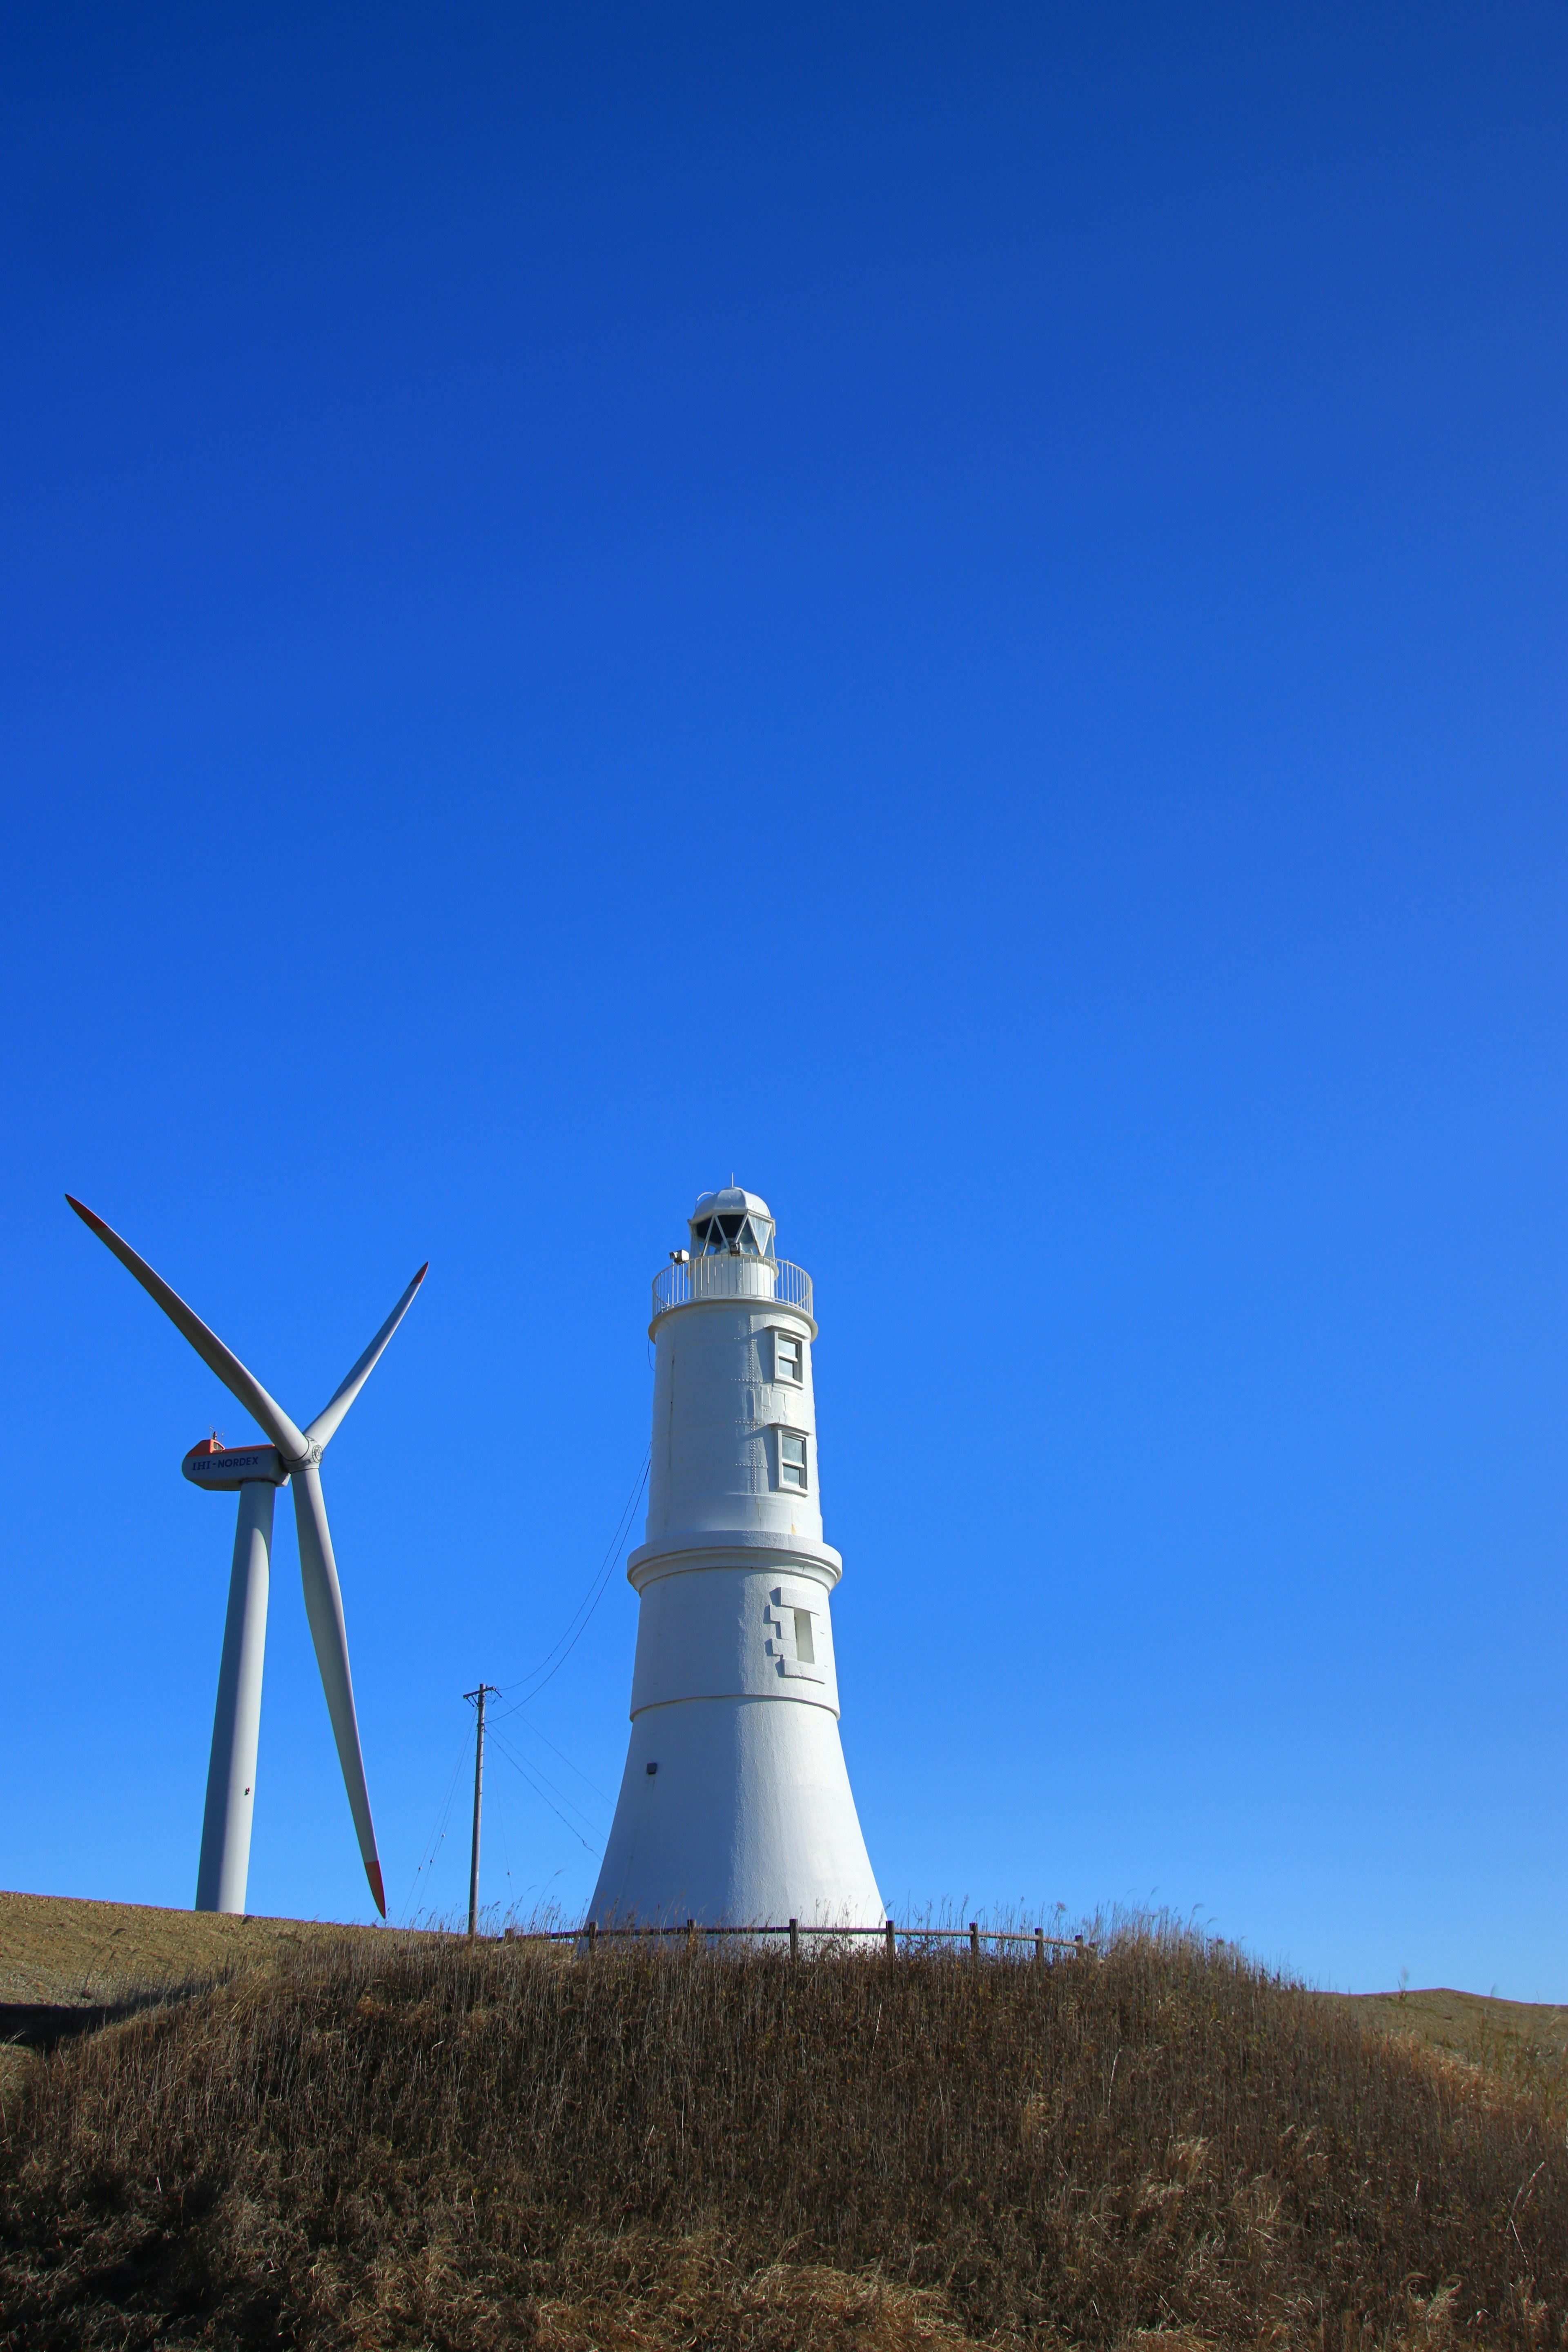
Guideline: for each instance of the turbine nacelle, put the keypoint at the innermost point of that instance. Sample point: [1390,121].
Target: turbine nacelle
[224,1469]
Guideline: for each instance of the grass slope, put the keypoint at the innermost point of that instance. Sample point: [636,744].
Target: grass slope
[379,2141]
[1521,2043]
[53,1949]
[68,1967]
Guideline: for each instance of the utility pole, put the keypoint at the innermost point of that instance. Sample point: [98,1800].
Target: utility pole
[471,1696]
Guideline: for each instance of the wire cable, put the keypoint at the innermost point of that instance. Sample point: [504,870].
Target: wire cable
[428,1858]
[550,1666]
[522,1768]
[537,1778]
[524,1724]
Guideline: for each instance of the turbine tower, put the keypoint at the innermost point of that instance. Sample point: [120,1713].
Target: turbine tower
[256,1471]
[735,1807]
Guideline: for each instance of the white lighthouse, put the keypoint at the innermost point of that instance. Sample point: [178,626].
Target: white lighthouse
[735,1807]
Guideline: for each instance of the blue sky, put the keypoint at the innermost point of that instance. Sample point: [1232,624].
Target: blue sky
[959,613]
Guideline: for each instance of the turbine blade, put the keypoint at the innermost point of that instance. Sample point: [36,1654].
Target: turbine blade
[324,1608]
[320,1430]
[266,1410]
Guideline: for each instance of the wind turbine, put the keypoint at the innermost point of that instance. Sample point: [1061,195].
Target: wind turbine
[258,1471]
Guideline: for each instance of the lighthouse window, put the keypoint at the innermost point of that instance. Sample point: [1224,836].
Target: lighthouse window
[805,1646]
[786,1357]
[720,1235]
[791,1460]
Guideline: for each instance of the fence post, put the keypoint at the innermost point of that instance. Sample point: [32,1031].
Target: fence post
[691,1934]
[893,1947]
[1039,1943]
[795,1939]
[974,1938]
[1078,1943]
[593,1936]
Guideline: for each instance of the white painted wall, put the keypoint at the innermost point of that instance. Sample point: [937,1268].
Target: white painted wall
[747,1816]
[717,1413]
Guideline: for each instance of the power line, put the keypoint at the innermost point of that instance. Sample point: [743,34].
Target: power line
[533,1729]
[498,1815]
[554,1660]
[521,1767]
[428,1858]
[539,1781]
[535,1681]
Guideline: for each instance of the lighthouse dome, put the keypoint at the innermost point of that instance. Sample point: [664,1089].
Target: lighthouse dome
[733,1222]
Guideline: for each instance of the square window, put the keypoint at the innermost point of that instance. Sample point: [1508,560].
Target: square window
[786,1357]
[791,1460]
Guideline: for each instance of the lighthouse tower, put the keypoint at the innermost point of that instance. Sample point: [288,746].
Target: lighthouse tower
[735,1806]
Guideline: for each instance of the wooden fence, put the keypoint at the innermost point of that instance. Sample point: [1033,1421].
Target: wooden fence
[890,1937]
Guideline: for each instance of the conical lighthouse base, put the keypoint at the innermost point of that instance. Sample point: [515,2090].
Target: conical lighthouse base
[746,1819]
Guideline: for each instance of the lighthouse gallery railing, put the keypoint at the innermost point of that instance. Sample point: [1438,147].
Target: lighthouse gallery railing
[731,1275]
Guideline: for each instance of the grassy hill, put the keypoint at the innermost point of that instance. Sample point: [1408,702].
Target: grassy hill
[364,2138]
[1521,2043]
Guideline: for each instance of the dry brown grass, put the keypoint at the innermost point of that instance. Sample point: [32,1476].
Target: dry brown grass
[56,1948]
[385,2143]
[1523,2043]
